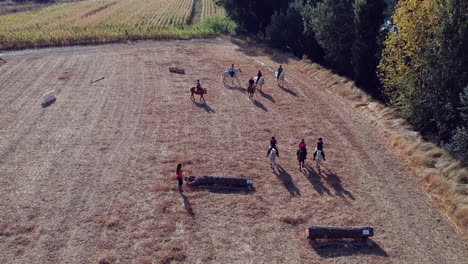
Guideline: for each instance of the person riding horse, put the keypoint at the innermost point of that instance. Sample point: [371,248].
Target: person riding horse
[259,75]
[273,143]
[280,70]
[231,70]
[320,147]
[302,144]
[199,87]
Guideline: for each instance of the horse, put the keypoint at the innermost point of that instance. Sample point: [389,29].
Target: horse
[227,73]
[301,157]
[273,154]
[260,83]
[202,91]
[251,90]
[280,79]
[318,157]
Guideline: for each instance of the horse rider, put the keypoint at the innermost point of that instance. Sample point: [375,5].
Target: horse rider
[273,143]
[231,70]
[259,75]
[302,144]
[199,87]
[251,83]
[320,147]
[280,70]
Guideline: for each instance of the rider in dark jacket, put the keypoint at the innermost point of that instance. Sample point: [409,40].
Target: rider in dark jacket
[199,87]
[259,75]
[320,147]
[280,70]
[273,143]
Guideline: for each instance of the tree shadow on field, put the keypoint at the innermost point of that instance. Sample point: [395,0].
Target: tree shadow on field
[286,179]
[260,105]
[289,91]
[330,250]
[334,181]
[257,48]
[204,106]
[187,204]
[267,96]
[316,180]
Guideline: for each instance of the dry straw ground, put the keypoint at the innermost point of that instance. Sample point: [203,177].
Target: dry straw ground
[90,179]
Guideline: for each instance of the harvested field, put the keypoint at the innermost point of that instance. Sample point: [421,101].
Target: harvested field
[90,179]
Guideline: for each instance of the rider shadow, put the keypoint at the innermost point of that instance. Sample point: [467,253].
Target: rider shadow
[334,250]
[204,106]
[316,180]
[334,181]
[289,91]
[187,205]
[267,96]
[260,105]
[286,178]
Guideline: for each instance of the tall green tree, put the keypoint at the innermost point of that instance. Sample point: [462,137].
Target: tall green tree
[334,30]
[253,15]
[402,64]
[368,19]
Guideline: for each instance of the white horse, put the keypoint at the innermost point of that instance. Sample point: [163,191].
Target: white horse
[273,154]
[227,74]
[260,83]
[280,79]
[318,158]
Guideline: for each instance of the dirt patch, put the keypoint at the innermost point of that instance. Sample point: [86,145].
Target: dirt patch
[92,177]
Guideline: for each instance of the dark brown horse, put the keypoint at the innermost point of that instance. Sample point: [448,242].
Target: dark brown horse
[251,90]
[301,157]
[201,92]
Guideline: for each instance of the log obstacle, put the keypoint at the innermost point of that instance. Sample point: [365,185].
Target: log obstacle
[354,235]
[233,182]
[176,70]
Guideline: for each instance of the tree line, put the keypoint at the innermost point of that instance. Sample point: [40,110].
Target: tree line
[410,54]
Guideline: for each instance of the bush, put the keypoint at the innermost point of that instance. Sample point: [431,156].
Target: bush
[459,145]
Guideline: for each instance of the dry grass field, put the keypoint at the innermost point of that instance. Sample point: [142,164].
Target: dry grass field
[101,21]
[90,179]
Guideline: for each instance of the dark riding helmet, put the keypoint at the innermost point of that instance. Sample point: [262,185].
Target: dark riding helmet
[320,139]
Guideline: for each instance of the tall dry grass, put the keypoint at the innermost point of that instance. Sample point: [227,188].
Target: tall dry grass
[442,176]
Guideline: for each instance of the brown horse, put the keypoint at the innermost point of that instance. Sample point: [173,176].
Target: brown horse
[251,90]
[194,90]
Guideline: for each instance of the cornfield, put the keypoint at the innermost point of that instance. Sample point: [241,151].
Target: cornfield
[108,21]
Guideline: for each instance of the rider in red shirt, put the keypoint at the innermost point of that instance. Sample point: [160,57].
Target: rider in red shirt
[302,144]
[179,176]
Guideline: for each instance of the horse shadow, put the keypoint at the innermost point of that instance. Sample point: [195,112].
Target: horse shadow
[330,250]
[260,105]
[286,179]
[334,181]
[187,204]
[316,180]
[267,96]
[289,91]
[204,106]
